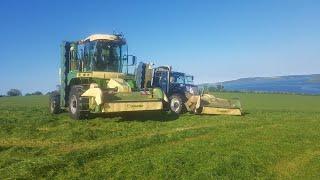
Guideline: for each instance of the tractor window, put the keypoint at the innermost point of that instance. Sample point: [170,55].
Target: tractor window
[87,57]
[73,60]
[177,78]
[189,79]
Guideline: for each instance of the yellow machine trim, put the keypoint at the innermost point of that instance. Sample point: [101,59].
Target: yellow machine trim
[95,93]
[102,75]
[213,110]
[121,85]
[165,98]
[131,106]
[193,102]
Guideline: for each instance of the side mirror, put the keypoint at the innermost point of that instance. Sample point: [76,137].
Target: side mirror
[130,61]
[134,60]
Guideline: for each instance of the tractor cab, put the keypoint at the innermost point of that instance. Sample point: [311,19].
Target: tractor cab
[182,81]
[178,86]
[172,82]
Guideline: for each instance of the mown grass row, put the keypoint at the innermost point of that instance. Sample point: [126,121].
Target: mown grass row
[277,138]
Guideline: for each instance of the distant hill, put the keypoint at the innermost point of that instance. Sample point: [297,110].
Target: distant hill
[305,84]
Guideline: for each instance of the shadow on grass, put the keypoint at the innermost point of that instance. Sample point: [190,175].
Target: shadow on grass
[244,113]
[139,116]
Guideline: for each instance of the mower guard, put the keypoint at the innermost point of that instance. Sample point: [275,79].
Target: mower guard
[208,104]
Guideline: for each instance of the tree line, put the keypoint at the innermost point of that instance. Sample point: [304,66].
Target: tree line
[17,92]
[216,88]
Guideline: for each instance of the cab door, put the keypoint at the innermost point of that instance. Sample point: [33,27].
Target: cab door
[161,78]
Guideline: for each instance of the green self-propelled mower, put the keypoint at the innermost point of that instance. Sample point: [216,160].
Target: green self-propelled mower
[95,78]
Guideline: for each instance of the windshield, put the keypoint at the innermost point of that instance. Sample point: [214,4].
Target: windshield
[177,78]
[102,56]
[107,57]
[189,79]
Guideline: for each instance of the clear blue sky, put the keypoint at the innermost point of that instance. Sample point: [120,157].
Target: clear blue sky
[214,40]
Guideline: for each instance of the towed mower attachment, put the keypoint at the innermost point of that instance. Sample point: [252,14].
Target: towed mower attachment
[208,104]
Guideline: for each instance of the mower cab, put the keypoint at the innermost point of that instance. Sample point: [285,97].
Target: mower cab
[95,77]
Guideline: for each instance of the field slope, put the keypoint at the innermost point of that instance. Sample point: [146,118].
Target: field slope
[278,137]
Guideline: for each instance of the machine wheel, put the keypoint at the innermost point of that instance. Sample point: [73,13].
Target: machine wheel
[78,106]
[54,103]
[176,104]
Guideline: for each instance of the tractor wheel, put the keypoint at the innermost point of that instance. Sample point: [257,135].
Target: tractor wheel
[176,104]
[78,106]
[54,103]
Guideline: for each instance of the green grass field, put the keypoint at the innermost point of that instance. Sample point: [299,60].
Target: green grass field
[278,137]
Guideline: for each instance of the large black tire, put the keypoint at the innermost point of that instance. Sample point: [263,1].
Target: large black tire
[78,106]
[54,103]
[166,106]
[176,104]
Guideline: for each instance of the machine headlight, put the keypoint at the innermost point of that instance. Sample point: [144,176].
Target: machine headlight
[191,90]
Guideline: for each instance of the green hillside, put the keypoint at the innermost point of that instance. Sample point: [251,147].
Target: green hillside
[298,84]
[278,137]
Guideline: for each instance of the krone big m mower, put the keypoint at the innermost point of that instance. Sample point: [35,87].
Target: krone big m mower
[95,78]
